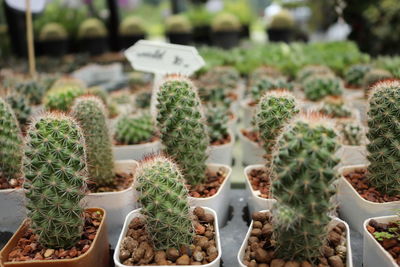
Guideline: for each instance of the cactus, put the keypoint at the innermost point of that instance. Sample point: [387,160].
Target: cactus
[266,84]
[275,110]
[92,28]
[90,113]
[132,25]
[320,86]
[11,151]
[61,98]
[142,100]
[178,24]
[222,76]
[304,168]
[354,75]
[182,127]
[55,180]
[263,71]
[20,106]
[163,197]
[33,90]
[312,70]
[217,122]
[352,133]
[373,76]
[132,130]
[215,96]
[282,20]
[53,31]
[335,108]
[225,22]
[383,134]
[99,92]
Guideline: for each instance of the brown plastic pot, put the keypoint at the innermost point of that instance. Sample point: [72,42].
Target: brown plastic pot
[97,255]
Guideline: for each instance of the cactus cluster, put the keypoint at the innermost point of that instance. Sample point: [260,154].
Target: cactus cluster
[61,98]
[383,134]
[319,86]
[33,90]
[313,70]
[178,24]
[163,197]
[225,22]
[266,84]
[11,151]
[182,127]
[132,25]
[217,122]
[304,168]
[90,113]
[354,75]
[20,106]
[352,133]
[53,31]
[282,20]
[92,28]
[55,186]
[132,130]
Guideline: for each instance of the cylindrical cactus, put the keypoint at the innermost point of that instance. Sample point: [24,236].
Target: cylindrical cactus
[61,98]
[182,127]
[53,31]
[383,134]
[132,130]
[266,84]
[303,166]
[225,22]
[11,150]
[217,122]
[163,196]
[55,180]
[92,28]
[132,25]
[319,86]
[355,74]
[90,113]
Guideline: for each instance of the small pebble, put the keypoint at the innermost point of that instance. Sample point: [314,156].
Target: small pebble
[172,254]
[48,252]
[183,260]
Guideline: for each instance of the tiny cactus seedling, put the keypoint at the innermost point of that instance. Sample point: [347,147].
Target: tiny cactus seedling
[132,25]
[282,20]
[163,196]
[225,22]
[92,28]
[178,24]
[354,75]
[383,134]
[20,106]
[266,84]
[217,122]
[319,86]
[55,186]
[53,31]
[182,127]
[61,98]
[90,113]
[132,130]
[11,151]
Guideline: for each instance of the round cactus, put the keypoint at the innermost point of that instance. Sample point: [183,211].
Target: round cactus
[132,25]
[178,24]
[313,70]
[132,130]
[20,106]
[217,122]
[163,196]
[355,74]
[319,86]
[266,84]
[282,20]
[92,28]
[334,107]
[61,98]
[33,90]
[55,180]
[53,31]
[225,22]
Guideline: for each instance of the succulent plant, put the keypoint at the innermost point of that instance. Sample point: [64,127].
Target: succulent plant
[383,135]
[61,98]
[225,22]
[142,100]
[313,70]
[275,110]
[11,151]
[53,31]
[132,130]
[305,152]
[217,96]
[92,28]
[373,76]
[20,106]
[55,186]
[99,92]
[217,122]
[132,25]
[90,113]
[352,132]
[282,20]
[355,74]
[334,107]
[33,90]
[178,24]
[263,71]
[266,84]
[163,197]
[319,86]
[182,127]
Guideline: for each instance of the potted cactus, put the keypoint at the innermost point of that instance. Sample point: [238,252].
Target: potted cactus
[312,70]
[280,28]
[111,180]
[59,230]
[316,87]
[299,231]
[33,90]
[167,230]
[226,30]
[62,97]
[131,30]
[53,40]
[372,190]
[179,30]
[92,34]
[373,76]
[184,137]
[354,75]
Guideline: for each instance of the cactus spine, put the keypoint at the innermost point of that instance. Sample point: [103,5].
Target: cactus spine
[384,134]
[304,167]
[163,196]
[182,127]
[90,113]
[134,130]
[55,185]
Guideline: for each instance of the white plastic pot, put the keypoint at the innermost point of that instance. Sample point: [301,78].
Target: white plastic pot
[232,123]
[374,254]
[220,201]
[255,202]
[12,209]
[117,204]
[136,213]
[353,208]
[252,152]
[247,112]
[222,154]
[136,152]
[351,155]
[349,261]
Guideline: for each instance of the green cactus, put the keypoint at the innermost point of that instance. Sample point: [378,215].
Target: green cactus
[142,100]
[352,133]
[132,25]
[282,20]
[178,24]
[53,31]
[266,84]
[33,90]
[55,180]
[92,28]
[217,122]
[335,108]
[61,98]
[313,70]
[383,134]
[225,22]
[182,127]
[215,96]
[11,151]
[263,71]
[20,106]
[319,86]
[90,113]
[99,92]
[132,130]
[355,74]
[305,152]
[275,110]
[163,197]
[373,76]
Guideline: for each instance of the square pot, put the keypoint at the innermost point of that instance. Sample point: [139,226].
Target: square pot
[12,209]
[136,152]
[254,153]
[222,154]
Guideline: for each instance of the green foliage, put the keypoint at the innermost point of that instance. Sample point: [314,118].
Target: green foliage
[178,24]
[317,87]
[383,134]
[267,84]
[217,122]
[33,90]
[92,28]
[61,98]
[53,31]
[225,22]
[282,20]
[163,197]
[20,106]
[304,168]
[355,74]
[182,127]
[11,151]
[143,100]
[55,180]
[132,130]
[380,236]
[90,113]
[132,25]
[352,133]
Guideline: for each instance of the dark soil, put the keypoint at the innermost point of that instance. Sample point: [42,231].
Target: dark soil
[151,140]
[210,187]
[253,136]
[11,184]
[260,180]
[137,248]
[122,181]
[28,247]
[223,141]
